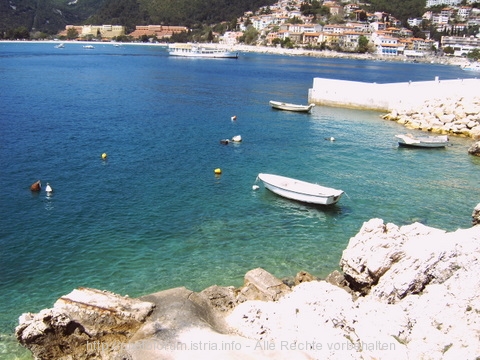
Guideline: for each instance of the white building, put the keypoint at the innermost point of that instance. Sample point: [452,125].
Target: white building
[415,22]
[447,2]
[431,3]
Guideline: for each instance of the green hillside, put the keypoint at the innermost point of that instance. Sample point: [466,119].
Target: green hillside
[47,16]
[401,9]
[51,16]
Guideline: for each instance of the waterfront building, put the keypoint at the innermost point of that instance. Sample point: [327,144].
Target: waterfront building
[158,31]
[461,44]
[94,31]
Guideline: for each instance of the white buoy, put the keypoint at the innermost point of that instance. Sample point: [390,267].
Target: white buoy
[237,138]
[255,187]
[48,188]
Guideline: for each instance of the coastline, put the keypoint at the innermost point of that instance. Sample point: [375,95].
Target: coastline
[277,51]
[163,54]
[404,292]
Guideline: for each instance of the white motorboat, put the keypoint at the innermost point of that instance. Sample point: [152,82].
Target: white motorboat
[291,107]
[423,141]
[198,51]
[300,190]
[474,66]
[88,47]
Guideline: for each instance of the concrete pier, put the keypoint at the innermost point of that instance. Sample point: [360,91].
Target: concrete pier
[388,97]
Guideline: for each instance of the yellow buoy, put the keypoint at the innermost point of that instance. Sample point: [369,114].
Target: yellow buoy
[218,171]
[104,156]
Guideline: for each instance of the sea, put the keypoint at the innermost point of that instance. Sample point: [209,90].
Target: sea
[154,214]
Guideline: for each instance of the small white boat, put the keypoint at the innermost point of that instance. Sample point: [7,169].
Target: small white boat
[197,51]
[423,141]
[60,46]
[291,107]
[88,47]
[235,139]
[475,66]
[300,190]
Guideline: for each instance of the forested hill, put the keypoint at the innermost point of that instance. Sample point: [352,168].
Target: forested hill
[190,13]
[50,16]
[44,15]
[401,9]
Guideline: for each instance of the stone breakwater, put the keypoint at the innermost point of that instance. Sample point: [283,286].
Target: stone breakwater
[408,292]
[451,115]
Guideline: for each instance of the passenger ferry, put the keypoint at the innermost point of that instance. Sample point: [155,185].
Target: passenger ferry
[195,50]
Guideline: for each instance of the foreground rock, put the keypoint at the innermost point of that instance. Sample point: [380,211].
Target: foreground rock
[475,149]
[404,292]
[476,215]
[79,322]
[416,298]
[454,116]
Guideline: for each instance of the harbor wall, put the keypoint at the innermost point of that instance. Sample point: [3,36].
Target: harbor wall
[388,97]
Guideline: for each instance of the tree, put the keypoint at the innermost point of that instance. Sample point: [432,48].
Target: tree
[20,33]
[315,9]
[181,37]
[448,50]
[72,34]
[294,20]
[362,44]
[474,54]
[247,22]
[402,10]
[232,25]
[276,41]
[38,35]
[250,35]
[287,43]
[210,36]
[418,33]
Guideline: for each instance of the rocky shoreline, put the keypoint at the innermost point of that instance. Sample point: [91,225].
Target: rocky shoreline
[450,116]
[404,292]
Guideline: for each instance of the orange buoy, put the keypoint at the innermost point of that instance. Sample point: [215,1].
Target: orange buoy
[36,186]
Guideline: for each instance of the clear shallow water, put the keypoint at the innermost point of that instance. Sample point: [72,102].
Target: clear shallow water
[154,215]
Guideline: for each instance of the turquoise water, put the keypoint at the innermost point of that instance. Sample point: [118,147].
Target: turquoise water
[154,215]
